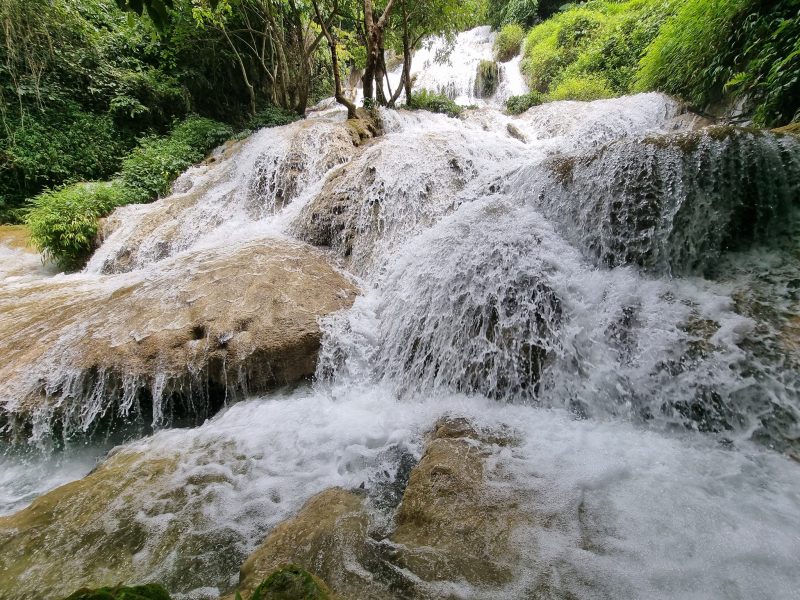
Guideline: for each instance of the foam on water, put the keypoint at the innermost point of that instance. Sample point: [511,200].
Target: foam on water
[620,512]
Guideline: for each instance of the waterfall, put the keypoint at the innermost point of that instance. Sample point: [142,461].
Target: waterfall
[618,289]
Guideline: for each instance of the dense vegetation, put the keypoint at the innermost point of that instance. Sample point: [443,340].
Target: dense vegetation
[89,91]
[707,52]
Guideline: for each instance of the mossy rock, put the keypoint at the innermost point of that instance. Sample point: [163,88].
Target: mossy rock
[138,592]
[292,582]
[487,78]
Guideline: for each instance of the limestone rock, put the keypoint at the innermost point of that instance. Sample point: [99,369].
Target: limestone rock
[452,526]
[58,544]
[328,537]
[206,326]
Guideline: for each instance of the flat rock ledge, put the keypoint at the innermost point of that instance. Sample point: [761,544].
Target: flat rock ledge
[179,340]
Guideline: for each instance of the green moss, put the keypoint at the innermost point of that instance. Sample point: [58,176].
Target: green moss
[487,78]
[508,42]
[292,582]
[139,592]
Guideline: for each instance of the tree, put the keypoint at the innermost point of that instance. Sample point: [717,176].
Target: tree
[418,19]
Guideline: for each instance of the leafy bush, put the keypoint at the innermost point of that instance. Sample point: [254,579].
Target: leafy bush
[690,56]
[713,49]
[602,38]
[272,116]
[50,148]
[433,102]
[584,88]
[150,169]
[516,105]
[508,42]
[505,12]
[63,222]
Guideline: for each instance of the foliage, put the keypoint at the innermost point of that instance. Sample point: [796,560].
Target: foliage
[689,56]
[139,592]
[738,48]
[54,147]
[516,105]
[157,161]
[600,39]
[433,102]
[63,222]
[505,12]
[508,42]
[271,116]
[584,88]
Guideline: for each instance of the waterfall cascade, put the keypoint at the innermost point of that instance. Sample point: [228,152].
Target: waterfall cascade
[617,289]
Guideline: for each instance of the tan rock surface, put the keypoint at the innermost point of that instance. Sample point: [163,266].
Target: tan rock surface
[202,325]
[453,527]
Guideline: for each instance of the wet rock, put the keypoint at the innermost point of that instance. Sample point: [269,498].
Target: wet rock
[328,537]
[452,525]
[673,202]
[58,543]
[205,328]
[384,194]
[514,132]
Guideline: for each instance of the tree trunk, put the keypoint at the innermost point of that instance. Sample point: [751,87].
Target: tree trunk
[337,78]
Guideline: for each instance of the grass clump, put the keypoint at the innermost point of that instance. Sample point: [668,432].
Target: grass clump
[508,42]
[487,78]
[433,102]
[713,49]
[599,40]
[63,222]
[681,58]
[517,105]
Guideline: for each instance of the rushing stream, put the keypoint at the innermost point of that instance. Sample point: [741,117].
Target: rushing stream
[620,290]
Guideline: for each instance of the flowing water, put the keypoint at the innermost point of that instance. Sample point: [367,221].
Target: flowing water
[619,290]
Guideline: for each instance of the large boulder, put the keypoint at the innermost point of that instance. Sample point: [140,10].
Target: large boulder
[180,340]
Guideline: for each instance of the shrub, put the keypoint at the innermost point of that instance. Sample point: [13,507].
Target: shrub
[504,12]
[272,116]
[47,149]
[599,38]
[508,42]
[516,105]
[690,56]
[584,88]
[150,169]
[433,102]
[63,222]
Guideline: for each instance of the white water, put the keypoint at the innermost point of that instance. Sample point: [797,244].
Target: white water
[479,300]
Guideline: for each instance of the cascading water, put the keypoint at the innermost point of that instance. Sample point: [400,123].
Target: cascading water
[619,291]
